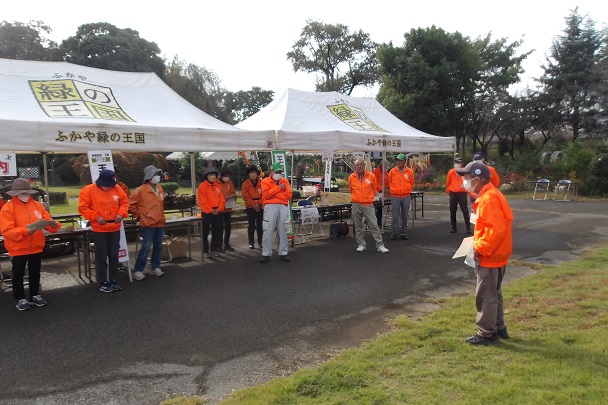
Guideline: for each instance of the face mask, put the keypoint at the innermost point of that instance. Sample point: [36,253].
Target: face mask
[457,165]
[155,179]
[253,176]
[24,197]
[277,176]
[211,177]
[468,185]
[225,179]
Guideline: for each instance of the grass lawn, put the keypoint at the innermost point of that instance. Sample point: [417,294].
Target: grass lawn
[557,354]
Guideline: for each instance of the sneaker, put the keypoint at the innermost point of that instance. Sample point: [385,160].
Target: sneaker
[215,254]
[382,249]
[106,288]
[115,286]
[393,237]
[157,272]
[503,334]
[251,246]
[265,259]
[228,248]
[207,254]
[361,248]
[284,258]
[138,275]
[480,340]
[404,237]
[23,305]
[38,301]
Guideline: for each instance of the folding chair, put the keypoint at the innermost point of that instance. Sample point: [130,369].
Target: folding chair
[541,186]
[562,191]
[309,216]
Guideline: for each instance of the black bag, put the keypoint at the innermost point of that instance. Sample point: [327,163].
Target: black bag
[338,229]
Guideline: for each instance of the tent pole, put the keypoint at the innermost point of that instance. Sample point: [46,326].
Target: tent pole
[46,181]
[291,172]
[193,172]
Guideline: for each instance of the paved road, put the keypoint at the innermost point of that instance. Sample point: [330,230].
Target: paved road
[210,328]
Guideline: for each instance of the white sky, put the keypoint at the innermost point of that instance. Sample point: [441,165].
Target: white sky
[245,42]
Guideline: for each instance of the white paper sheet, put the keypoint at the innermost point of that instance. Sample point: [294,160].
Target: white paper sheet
[465,247]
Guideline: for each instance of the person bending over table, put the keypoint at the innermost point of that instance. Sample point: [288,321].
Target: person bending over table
[22,220]
[362,185]
[105,204]
[276,193]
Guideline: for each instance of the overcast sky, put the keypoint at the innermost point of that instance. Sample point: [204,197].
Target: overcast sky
[245,42]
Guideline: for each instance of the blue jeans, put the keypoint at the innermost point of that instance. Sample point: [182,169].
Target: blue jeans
[150,236]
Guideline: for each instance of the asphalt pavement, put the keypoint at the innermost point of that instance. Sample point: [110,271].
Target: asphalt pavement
[209,328]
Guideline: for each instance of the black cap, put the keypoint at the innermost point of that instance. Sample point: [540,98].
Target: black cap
[475,169]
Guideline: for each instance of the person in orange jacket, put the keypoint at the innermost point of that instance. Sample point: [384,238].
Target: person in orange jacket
[211,201]
[363,189]
[276,193]
[381,168]
[401,180]
[22,220]
[251,190]
[492,249]
[148,204]
[458,196]
[104,205]
[230,196]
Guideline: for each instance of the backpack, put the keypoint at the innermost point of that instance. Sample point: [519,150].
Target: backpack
[338,229]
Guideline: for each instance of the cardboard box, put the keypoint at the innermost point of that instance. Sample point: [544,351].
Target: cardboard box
[179,248]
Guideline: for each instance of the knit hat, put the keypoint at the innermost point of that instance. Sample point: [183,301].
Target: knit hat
[21,186]
[106,178]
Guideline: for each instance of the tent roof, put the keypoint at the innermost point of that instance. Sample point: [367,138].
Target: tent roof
[62,107]
[331,121]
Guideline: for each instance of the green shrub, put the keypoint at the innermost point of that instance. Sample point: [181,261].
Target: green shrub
[597,182]
[170,187]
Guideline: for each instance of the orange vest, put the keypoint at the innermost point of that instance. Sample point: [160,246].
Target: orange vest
[272,193]
[362,191]
[147,206]
[227,189]
[209,196]
[453,182]
[252,195]
[93,202]
[493,238]
[14,217]
[401,183]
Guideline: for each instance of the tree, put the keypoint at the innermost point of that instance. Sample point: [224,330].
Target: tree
[27,41]
[104,46]
[570,77]
[344,60]
[244,104]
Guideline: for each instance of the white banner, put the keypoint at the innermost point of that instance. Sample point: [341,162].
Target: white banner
[328,175]
[8,164]
[99,160]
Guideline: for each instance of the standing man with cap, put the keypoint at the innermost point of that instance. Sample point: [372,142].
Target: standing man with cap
[148,204]
[251,190]
[401,179]
[276,193]
[104,204]
[363,188]
[492,249]
[211,201]
[22,220]
[494,177]
[458,196]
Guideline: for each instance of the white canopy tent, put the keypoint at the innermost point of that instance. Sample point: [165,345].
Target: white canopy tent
[334,122]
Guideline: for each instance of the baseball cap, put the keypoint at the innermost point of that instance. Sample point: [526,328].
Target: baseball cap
[400,156]
[475,169]
[277,167]
[477,156]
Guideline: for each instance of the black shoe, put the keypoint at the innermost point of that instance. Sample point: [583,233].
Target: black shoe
[228,248]
[453,230]
[503,334]
[480,340]
[393,237]
[251,246]
[468,231]
[265,259]
[404,237]
[285,258]
[260,244]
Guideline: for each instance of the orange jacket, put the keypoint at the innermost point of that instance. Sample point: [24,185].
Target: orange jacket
[493,239]
[2,202]
[147,206]
[14,217]
[401,183]
[378,173]
[227,189]
[362,191]
[252,195]
[272,193]
[93,202]
[209,196]
[453,182]
[494,177]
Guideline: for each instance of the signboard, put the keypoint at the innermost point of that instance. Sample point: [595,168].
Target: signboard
[8,164]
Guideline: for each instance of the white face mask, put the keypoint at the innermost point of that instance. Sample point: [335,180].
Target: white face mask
[24,197]
[457,165]
[225,179]
[155,179]
[468,185]
[277,176]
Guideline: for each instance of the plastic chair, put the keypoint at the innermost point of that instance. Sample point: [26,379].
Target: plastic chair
[541,186]
[562,191]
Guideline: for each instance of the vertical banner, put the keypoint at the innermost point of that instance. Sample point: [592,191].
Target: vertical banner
[328,159]
[280,156]
[8,164]
[99,160]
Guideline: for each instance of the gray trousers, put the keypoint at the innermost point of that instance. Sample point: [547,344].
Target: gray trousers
[488,300]
[400,206]
[358,212]
[275,216]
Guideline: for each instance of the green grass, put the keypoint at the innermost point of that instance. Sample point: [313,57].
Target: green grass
[558,353]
